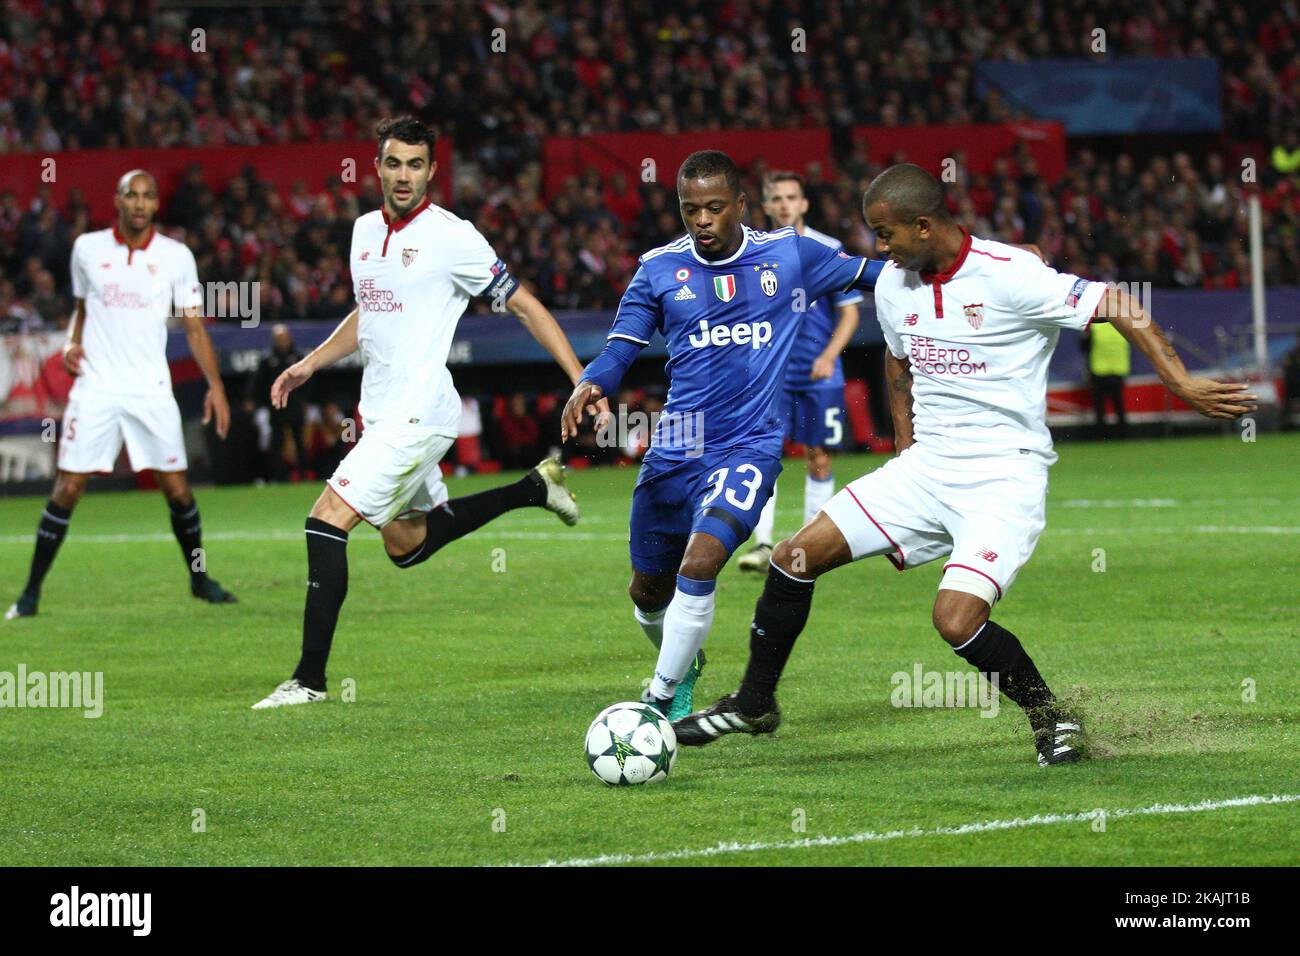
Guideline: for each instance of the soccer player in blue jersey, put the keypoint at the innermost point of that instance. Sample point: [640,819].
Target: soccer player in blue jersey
[811,404]
[729,301]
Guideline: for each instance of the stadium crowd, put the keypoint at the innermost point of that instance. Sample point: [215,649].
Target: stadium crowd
[84,74]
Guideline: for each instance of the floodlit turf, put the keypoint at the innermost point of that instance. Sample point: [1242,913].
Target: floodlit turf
[477,673]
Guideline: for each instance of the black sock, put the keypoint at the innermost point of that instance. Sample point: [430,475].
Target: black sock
[327,587]
[188,529]
[49,535]
[460,516]
[1002,660]
[779,618]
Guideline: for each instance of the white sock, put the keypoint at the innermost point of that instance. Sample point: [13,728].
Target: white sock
[652,622]
[686,625]
[766,521]
[815,495]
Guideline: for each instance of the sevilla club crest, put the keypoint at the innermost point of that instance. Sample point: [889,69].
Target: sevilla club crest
[408,256]
[974,314]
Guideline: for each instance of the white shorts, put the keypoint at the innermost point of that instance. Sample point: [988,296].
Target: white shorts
[95,424]
[984,515]
[393,471]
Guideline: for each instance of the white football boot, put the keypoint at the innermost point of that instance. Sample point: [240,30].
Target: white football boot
[289,693]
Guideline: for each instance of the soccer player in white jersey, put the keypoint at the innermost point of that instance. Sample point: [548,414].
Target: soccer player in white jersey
[812,400]
[415,268]
[127,281]
[970,326]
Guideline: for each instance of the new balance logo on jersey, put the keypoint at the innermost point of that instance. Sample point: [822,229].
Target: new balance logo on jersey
[988,555]
[683,294]
[753,334]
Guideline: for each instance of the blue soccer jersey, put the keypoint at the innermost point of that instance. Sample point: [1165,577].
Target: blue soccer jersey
[818,327]
[730,326]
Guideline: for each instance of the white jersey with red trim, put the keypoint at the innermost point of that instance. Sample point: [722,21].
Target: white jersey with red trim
[979,338]
[413,278]
[129,295]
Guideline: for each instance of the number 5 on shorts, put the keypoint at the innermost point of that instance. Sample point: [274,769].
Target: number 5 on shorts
[833,426]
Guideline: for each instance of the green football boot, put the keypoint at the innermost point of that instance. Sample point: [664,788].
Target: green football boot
[686,689]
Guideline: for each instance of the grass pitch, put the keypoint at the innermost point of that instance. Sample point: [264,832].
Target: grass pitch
[475,676]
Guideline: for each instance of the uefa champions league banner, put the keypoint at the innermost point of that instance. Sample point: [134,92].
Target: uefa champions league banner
[1208,326]
[1118,94]
[1210,329]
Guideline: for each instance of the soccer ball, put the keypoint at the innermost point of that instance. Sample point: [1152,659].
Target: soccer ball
[631,743]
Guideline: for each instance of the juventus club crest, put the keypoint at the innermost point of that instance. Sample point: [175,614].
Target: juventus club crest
[408,256]
[767,282]
[725,287]
[974,314]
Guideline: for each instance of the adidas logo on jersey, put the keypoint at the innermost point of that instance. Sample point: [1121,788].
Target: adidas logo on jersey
[753,334]
[683,294]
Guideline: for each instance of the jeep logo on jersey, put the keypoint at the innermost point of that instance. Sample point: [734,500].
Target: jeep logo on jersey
[408,256]
[753,334]
[725,287]
[767,282]
[974,314]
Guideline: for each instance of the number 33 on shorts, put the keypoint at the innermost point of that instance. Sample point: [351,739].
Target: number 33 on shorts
[735,491]
[738,486]
[742,485]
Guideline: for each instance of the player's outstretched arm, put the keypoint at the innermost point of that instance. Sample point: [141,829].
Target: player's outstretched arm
[1210,398]
[215,405]
[341,343]
[898,378]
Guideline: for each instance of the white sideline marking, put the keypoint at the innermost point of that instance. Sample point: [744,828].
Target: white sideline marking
[296,535]
[1194,529]
[873,836]
[1119,503]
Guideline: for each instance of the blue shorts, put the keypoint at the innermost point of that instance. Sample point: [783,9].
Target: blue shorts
[813,417]
[719,494]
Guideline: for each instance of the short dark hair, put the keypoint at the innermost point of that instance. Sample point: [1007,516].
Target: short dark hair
[707,163]
[910,192]
[408,130]
[784,176]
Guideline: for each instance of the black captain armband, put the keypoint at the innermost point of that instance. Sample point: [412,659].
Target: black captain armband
[502,286]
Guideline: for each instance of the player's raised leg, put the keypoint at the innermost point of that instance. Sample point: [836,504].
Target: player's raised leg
[686,624]
[779,619]
[50,532]
[414,541]
[726,495]
[188,528]
[961,616]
